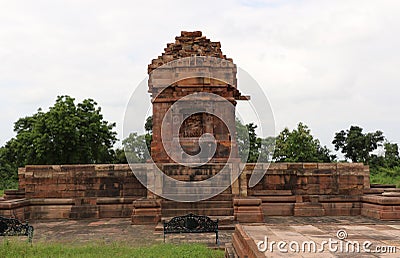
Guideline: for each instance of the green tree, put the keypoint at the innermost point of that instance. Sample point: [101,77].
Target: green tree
[357,146]
[120,157]
[254,143]
[267,149]
[148,126]
[8,170]
[300,146]
[392,157]
[133,146]
[136,149]
[66,134]
[247,141]
[389,160]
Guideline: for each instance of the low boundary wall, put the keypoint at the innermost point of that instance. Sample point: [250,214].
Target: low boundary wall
[286,189]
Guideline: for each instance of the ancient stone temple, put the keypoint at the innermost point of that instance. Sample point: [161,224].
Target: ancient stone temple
[194,92]
[201,67]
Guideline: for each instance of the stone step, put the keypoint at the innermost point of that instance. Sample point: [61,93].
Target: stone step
[221,197]
[13,194]
[278,199]
[230,251]
[84,211]
[192,198]
[224,196]
[188,178]
[308,209]
[198,211]
[271,193]
[191,177]
[193,190]
[196,205]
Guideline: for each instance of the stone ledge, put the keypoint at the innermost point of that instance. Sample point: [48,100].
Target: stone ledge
[12,204]
[247,201]
[244,245]
[382,200]
[52,201]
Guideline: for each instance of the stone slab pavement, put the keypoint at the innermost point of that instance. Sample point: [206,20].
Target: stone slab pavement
[384,236]
[115,230]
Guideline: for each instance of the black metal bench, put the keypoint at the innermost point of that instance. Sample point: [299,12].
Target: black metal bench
[191,223]
[13,227]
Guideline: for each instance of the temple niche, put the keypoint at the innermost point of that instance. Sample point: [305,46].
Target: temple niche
[193,64]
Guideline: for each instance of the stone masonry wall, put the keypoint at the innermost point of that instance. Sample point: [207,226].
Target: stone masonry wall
[80,191]
[287,189]
[311,189]
[79,181]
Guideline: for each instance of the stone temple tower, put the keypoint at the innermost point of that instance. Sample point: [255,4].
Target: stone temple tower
[193,64]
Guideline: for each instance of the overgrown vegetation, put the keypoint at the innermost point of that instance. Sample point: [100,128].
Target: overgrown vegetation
[23,249]
[382,175]
[385,169]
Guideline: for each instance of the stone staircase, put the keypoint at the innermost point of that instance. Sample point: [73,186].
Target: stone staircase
[208,208]
[219,207]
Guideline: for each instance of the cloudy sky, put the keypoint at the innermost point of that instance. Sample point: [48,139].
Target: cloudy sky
[329,64]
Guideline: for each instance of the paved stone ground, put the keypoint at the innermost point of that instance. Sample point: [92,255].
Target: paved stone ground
[318,229]
[276,228]
[115,230]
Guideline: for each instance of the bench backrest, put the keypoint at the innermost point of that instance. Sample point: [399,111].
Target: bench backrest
[13,227]
[190,223]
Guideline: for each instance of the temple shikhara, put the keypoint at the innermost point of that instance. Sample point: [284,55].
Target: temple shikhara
[194,91]
[193,64]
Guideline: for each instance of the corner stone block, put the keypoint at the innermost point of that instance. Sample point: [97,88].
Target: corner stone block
[248,210]
[146,211]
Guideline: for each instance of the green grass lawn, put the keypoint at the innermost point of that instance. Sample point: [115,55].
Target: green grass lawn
[1,193]
[11,248]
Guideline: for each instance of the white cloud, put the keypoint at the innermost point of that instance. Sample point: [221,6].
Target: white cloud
[330,64]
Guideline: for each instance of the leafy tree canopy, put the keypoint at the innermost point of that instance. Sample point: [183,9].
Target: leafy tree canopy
[134,146]
[251,147]
[148,126]
[356,145]
[8,170]
[390,159]
[136,149]
[300,146]
[66,134]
